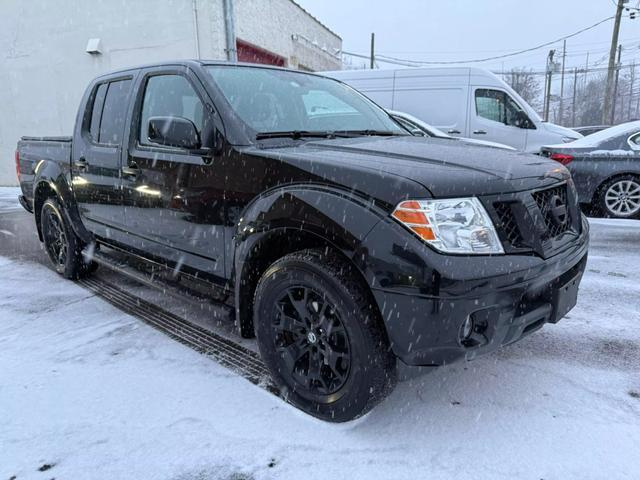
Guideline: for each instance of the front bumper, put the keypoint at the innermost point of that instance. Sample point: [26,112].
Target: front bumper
[507,297]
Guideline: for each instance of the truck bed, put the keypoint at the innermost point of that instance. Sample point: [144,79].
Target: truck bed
[34,150]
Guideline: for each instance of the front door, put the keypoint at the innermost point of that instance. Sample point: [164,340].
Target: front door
[96,158]
[174,197]
[496,117]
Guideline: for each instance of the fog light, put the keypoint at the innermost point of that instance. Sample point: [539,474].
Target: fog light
[467,329]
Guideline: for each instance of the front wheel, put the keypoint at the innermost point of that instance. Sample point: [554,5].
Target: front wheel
[320,336]
[620,197]
[62,245]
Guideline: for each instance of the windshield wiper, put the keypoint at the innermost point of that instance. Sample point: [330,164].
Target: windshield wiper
[372,133]
[295,134]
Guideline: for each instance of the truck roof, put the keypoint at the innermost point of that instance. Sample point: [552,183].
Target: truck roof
[198,63]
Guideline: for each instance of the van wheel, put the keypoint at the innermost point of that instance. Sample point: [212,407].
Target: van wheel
[62,245]
[620,197]
[321,338]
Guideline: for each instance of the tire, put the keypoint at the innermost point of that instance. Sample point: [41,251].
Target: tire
[321,338]
[62,245]
[619,197]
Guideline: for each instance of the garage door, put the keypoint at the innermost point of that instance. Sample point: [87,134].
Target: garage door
[252,54]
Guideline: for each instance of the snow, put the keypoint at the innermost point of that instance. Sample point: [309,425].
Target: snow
[97,394]
[9,198]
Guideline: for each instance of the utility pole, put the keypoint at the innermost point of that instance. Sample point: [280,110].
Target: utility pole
[575,88]
[373,51]
[631,82]
[586,70]
[615,87]
[606,110]
[564,56]
[547,94]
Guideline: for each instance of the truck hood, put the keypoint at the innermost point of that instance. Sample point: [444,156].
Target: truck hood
[443,167]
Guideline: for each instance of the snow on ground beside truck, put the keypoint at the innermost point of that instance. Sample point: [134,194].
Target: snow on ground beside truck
[87,391]
[9,198]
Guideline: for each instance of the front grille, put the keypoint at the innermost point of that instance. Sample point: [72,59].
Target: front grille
[548,202]
[507,224]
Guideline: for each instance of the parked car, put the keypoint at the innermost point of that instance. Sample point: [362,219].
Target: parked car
[590,129]
[463,102]
[417,127]
[605,167]
[342,242]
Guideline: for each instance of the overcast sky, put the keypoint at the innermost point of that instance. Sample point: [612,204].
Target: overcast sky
[444,30]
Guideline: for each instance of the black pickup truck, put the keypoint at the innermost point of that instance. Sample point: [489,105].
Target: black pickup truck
[342,242]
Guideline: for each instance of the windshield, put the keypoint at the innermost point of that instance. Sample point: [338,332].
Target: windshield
[270,100]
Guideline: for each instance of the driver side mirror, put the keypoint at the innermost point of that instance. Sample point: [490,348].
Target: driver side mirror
[173,132]
[522,120]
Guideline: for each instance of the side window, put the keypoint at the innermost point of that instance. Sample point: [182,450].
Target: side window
[96,111]
[490,104]
[170,96]
[634,141]
[114,112]
[498,106]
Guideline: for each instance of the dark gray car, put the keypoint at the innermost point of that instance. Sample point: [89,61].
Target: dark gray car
[605,167]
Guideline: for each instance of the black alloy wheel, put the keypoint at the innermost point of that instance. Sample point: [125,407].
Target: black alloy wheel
[63,247]
[55,238]
[312,340]
[321,336]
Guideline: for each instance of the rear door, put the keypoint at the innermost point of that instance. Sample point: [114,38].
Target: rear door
[493,116]
[174,198]
[97,155]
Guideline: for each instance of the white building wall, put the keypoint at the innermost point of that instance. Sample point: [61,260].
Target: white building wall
[44,68]
[284,28]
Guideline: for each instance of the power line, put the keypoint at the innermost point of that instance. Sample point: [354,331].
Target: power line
[411,63]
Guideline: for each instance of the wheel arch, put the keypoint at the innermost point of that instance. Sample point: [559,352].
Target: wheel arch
[293,219]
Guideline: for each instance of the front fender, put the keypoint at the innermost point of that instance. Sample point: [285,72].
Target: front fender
[293,218]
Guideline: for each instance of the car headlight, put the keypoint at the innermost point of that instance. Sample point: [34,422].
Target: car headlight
[568,139]
[454,225]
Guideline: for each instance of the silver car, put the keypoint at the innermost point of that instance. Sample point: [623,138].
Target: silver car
[605,167]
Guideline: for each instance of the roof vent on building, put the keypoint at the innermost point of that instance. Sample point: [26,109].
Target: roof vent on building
[94,46]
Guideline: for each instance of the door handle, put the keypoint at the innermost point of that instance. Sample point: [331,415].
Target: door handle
[479,132]
[130,171]
[81,163]
[454,131]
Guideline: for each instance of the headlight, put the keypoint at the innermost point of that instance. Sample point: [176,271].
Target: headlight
[455,225]
[568,139]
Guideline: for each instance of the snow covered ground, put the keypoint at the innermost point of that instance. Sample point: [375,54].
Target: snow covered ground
[87,391]
[9,198]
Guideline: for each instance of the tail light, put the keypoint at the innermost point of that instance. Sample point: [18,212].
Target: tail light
[563,158]
[18,164]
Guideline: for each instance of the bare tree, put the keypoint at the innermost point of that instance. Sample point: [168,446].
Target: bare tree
[526,83]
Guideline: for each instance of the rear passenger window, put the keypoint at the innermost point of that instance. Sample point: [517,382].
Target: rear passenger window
[114,112]
[96,112]
[170,96]
[634,141]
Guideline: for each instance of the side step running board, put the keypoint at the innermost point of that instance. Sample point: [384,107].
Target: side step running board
[241,360]
[156,277]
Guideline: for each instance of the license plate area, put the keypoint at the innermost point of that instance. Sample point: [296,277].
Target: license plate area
[565,298]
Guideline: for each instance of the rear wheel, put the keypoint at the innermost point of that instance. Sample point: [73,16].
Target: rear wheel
[62,245]
[620,197]
[321,338]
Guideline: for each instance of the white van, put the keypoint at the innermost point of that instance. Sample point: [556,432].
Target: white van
[464,102]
